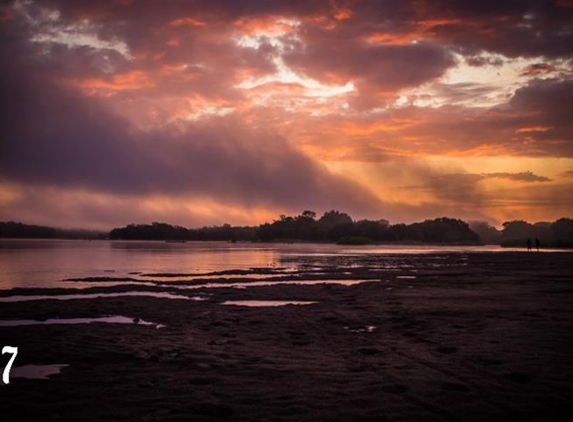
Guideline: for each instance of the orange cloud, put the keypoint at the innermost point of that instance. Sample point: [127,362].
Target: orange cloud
[483,149]
[187,21]
[173,42]
[342,14]
[132,80]
[432,23]
[393,39]
[271,26]
[363,129]
[532,129]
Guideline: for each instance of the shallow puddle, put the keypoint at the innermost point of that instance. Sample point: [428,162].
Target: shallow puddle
[244,285]
[82,285]
[365,329]
[215,276]
[266,303]
[40,372]
[115,319]
[161,295]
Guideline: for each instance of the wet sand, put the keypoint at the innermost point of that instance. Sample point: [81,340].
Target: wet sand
[434,337]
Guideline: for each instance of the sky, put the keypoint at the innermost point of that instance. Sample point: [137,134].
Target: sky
[209,112]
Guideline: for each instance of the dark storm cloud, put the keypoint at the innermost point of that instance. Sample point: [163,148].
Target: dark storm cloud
[513,28]
[538,69]
[550,106]
[381,68]
[551,98]
[52,135]
[327,48]
[220,9]
[536,122]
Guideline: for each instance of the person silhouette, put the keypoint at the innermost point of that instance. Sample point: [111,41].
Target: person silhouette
[528,245]
[537,244]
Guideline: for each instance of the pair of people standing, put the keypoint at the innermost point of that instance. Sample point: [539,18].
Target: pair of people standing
[537,244]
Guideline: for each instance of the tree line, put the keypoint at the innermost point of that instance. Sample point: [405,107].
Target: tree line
[163,231]
[15,230]
[332,226]
[515,233]
[336,226]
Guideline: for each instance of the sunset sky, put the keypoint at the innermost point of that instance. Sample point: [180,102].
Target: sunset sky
[211,112]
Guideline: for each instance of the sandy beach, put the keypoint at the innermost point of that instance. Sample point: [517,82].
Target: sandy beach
[452,336]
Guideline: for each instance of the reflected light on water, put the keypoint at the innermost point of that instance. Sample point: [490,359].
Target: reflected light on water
[160,295]
[45,263]
[265,303]
[245,285]
[115,319]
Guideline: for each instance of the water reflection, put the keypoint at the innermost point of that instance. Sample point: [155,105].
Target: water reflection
[265,303]
[40,372]
[115,319]
[161,295]
[245,285]
[44,263]
[364,329]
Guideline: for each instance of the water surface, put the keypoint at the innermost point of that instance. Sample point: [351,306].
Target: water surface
[114,319]
[266,303]
[28,298]
[41,372]
[45,263]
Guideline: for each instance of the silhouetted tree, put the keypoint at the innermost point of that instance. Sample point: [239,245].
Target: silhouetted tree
[562,231]
[517,230]
[332,218]
[486,232]
[444,230]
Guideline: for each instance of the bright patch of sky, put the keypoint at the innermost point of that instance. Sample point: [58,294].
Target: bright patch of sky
[313,89]
[209,111]
[488,85]
[286,75]
[48,27]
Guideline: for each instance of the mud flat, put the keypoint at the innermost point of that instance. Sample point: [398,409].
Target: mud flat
[438,337]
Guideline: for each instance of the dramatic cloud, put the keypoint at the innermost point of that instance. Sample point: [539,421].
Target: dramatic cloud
[65,139]
[519,177]
[201,112]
